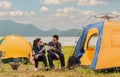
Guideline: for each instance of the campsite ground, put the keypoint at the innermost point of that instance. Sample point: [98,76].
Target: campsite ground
[78,72]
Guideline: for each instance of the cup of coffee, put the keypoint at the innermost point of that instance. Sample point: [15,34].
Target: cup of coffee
[47,47]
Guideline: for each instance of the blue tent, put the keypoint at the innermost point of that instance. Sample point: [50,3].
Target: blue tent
[79,51]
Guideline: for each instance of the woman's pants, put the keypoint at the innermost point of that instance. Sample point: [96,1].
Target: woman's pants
[40,58]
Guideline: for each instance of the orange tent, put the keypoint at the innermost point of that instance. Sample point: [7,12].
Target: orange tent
[15,46]
[106,52]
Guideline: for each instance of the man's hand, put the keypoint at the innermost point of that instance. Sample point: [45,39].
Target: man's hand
[58,57]
[52,48]
[36,56]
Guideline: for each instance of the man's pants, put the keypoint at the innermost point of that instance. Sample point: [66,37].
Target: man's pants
[40,58]
[51,56]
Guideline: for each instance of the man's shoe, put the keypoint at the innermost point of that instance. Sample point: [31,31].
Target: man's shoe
[46,68]
[63,67]
[53,67]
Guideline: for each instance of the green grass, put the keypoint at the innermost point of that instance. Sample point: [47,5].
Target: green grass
[78,72]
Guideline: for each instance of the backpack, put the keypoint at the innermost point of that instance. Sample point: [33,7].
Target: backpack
[72,62]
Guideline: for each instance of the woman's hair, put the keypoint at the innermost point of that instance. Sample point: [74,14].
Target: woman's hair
[36,41]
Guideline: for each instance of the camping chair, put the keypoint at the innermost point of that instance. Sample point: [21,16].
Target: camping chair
[1,64]
[15,64]
[56,59]
[39,61]
[43,65]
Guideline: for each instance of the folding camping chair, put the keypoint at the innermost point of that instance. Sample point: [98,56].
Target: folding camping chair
[15,64]
[1,64]
[56,59]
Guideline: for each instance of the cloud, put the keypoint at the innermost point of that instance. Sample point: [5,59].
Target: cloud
[44,9]
[63,18]
[91,2]
[3,13]
[5,5]
[6,9]
[71,12]
[70,15]
[55,2]
[21,13]
[16,13]
[116,13]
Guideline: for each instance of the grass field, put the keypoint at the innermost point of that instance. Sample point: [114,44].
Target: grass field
[78,72]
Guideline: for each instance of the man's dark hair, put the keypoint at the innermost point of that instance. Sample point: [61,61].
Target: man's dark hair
[56,36]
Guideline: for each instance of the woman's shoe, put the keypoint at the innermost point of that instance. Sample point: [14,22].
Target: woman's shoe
[36,69]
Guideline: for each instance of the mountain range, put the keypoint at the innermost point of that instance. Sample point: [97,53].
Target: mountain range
[8,27]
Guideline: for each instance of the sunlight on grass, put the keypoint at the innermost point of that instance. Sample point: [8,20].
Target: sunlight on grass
[78,72]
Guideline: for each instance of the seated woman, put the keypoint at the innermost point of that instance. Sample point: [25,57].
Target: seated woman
[39,53]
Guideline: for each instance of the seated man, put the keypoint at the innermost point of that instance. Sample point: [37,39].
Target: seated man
[39,52]
[55,52]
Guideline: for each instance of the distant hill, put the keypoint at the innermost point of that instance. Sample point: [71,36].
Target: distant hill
[70,33]
[8,27]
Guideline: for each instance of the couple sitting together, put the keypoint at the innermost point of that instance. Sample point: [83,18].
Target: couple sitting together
[54,51]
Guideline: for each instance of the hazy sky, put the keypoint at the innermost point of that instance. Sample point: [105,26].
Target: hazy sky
[60,14]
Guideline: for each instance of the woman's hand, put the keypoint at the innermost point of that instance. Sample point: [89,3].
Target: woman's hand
[42,50]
